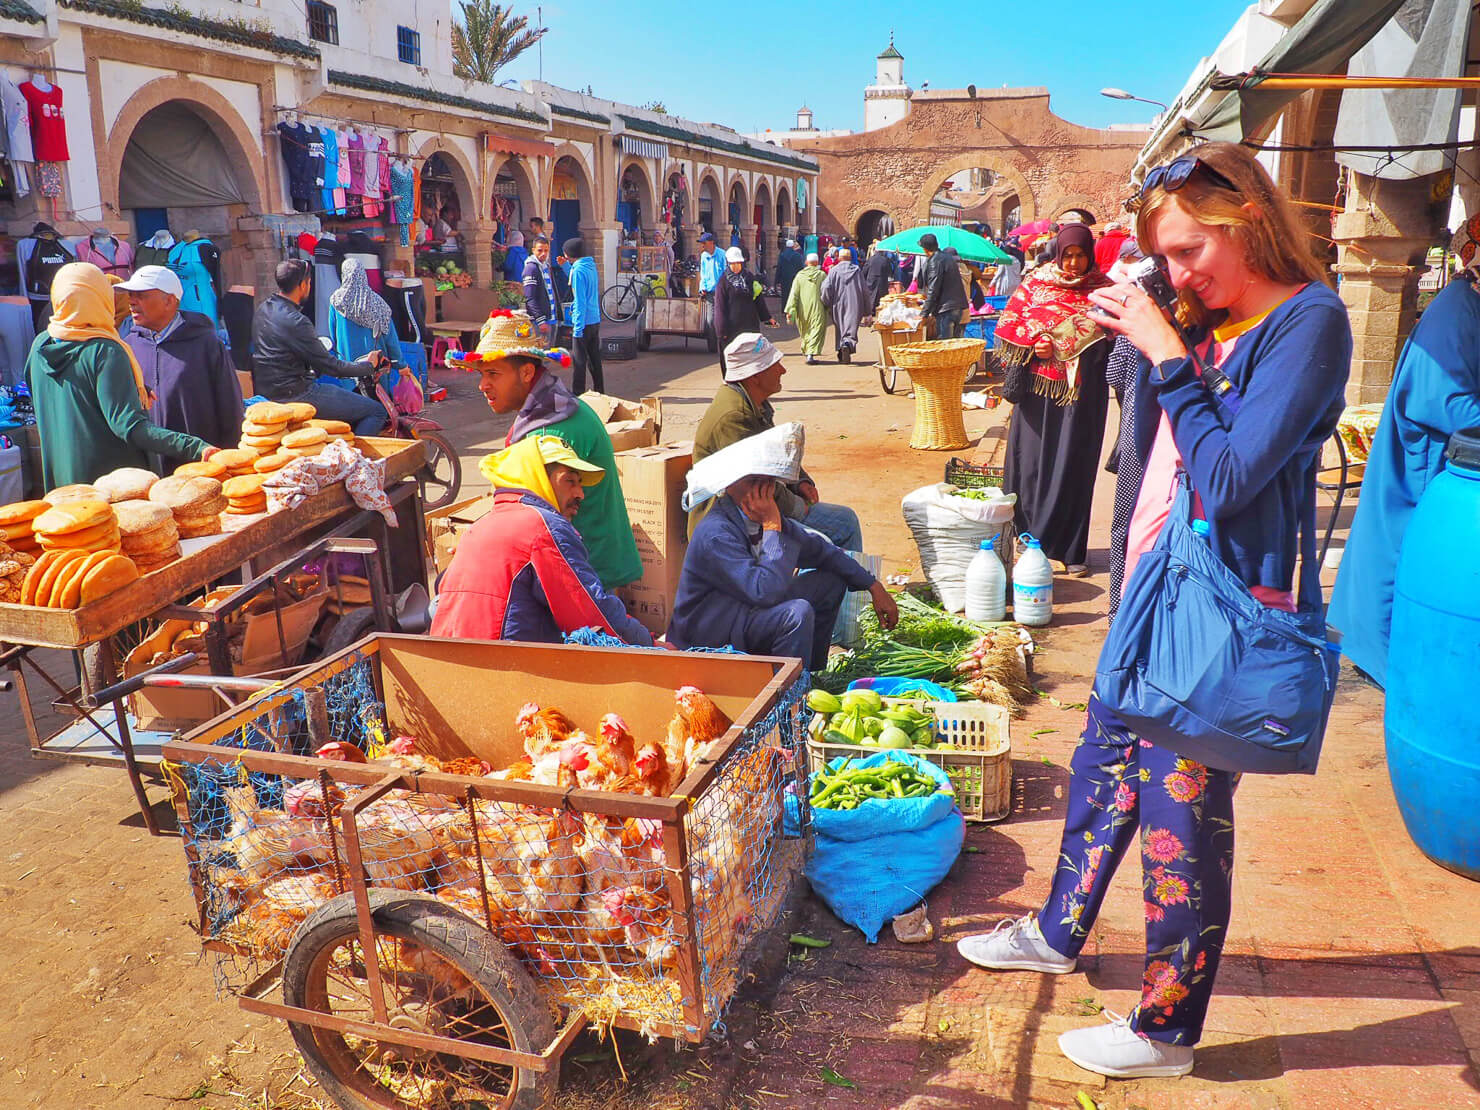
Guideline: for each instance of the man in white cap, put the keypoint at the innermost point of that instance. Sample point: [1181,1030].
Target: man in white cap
[185,365]
[739,586]
[742,408]
[739,306]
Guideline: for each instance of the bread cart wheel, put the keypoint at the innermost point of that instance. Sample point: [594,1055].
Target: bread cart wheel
[352,627]
[888,378]
[442,975]
[441,476]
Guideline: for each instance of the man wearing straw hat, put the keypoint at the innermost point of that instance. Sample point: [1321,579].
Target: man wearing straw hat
[518,376]
[521,572]
[739,586]
[741,408]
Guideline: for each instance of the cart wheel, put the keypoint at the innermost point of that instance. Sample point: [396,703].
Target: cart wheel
[441,477]
[442,975]
[889,378]
[349,629]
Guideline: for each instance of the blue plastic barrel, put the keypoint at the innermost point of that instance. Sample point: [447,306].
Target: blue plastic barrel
[1433,732]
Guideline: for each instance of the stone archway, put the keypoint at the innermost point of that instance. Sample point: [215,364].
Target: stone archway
[567,222]
[461,169]
[1077,202]
[987,160]
[709,190]
[636,169]
[737,203]
[786,208]
[871,225]
[525,185]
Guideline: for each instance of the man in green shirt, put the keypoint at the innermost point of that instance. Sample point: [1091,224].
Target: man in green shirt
[514,378]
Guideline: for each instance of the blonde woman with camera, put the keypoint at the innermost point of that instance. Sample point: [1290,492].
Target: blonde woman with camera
[1240,262]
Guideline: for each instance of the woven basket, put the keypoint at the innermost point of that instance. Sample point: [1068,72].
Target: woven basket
[938,422]
[939,354]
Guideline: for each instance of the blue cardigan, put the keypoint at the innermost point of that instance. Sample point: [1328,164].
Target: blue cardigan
[1255,472]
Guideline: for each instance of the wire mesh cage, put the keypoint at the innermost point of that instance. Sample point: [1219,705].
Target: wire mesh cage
[626,855]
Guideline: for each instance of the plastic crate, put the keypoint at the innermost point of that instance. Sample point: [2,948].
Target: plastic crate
[980,769]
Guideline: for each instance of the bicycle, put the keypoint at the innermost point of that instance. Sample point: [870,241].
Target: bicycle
[623,302]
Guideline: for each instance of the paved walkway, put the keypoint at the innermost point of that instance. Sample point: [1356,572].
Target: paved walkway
[1351,979]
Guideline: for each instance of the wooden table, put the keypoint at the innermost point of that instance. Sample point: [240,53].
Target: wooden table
[455,328]
[24,627]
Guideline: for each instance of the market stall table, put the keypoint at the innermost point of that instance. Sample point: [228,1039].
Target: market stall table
[101,735]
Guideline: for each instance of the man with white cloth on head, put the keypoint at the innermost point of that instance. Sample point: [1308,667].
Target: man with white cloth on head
[739,586]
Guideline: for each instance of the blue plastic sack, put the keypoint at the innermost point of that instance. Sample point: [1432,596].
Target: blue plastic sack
[903,687]
[874,862]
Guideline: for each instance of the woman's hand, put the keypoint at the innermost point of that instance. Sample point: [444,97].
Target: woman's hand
[1128,311]
[1043,348]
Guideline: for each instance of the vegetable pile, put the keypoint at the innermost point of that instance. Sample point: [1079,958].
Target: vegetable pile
[983,661]
[849,789]
[862,717]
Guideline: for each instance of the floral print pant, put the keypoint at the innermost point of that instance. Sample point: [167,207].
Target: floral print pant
[1185,813]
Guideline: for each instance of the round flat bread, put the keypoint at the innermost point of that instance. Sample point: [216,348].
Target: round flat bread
[247,509]
[185,496]
[251,428]
[299,411]
[268,412]
[62,595]
[205,468]
[257,451]
[89,539]
[209,526]
[305,437]
[10,533]
[127,483]
[38,574]
[138,518]
[101,579]
[276,461]
[63,494]
[309,451]
[236,459]
[153,544]
[21,512]
[333,427]
[248,485]
[251,440]
[73,516]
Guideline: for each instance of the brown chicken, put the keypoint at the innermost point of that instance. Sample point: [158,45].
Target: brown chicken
[656,775]
[617,749]
[696,723]
[542,729]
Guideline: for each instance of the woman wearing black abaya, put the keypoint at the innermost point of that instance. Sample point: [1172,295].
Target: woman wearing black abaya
[1046,336]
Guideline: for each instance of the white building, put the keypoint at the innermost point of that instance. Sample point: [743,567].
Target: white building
[887,100]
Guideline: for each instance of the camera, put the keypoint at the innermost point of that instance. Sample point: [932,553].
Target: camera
[1151,279]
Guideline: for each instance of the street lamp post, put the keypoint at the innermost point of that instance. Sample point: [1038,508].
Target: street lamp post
[1121,94]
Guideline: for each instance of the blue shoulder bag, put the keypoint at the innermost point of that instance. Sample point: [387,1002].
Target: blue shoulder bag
[1196,664]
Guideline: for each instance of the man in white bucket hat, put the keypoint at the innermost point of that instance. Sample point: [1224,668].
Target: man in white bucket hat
[739,586]
[741,408]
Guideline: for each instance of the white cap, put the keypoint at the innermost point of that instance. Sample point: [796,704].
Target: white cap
[791,243]
[734,254]
[153,277]
[748,354]
[812,256]
[774,453]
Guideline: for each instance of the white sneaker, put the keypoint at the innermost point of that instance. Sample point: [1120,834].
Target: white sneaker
[1117,1050]
[1015,946]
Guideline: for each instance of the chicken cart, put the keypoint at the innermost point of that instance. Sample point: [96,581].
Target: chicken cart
[440,936]
[99,733]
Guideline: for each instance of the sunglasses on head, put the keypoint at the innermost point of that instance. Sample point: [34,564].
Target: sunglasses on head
[1174,175]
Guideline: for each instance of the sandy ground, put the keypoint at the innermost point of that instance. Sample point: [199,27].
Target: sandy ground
[1352,977]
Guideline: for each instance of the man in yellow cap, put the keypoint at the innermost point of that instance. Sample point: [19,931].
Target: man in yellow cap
[522,572]
[518,376]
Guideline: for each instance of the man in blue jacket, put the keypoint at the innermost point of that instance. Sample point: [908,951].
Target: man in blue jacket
[545,292]
[739,586]
[585,317]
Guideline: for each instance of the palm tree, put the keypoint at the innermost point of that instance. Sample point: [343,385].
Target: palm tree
[488,37]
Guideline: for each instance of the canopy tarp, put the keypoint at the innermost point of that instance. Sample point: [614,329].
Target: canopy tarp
[968,246]
[1322,42]
[174,159]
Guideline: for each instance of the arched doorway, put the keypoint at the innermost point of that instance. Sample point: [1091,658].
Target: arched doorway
[1011,213]
[871,226]
[786,212]
[570,200]
[512,197]
[766,247]
[635,203]
[182,171]
[709,206]
[736,215]
[677,210]
[969,187]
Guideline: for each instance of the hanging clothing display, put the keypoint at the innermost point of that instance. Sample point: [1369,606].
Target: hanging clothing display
[331,198]
[48,125]
[48,178]
[155,251]
[108,253]
[403,188]
[40,255]
[328,256]
[236,315]
[371,192]
[360,246]
[17,133]
[293,143]
[197,263]
[408,301]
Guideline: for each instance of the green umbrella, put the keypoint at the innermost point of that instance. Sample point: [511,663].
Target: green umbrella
[970,246]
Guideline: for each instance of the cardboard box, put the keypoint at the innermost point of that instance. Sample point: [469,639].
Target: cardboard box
[445,527]
[653,480]
[629,423]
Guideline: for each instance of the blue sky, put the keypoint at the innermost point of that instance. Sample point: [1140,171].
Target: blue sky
[750,64]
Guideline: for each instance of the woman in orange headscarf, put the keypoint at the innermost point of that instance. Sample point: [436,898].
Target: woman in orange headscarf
[92,410]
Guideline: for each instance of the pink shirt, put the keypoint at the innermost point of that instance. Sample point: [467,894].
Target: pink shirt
[1159,482]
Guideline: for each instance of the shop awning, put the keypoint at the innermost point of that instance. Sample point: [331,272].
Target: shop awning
[1323,41]
[643,148]
[505,144]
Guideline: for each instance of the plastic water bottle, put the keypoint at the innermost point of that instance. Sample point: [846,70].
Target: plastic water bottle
[1032,586]
[986,584]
